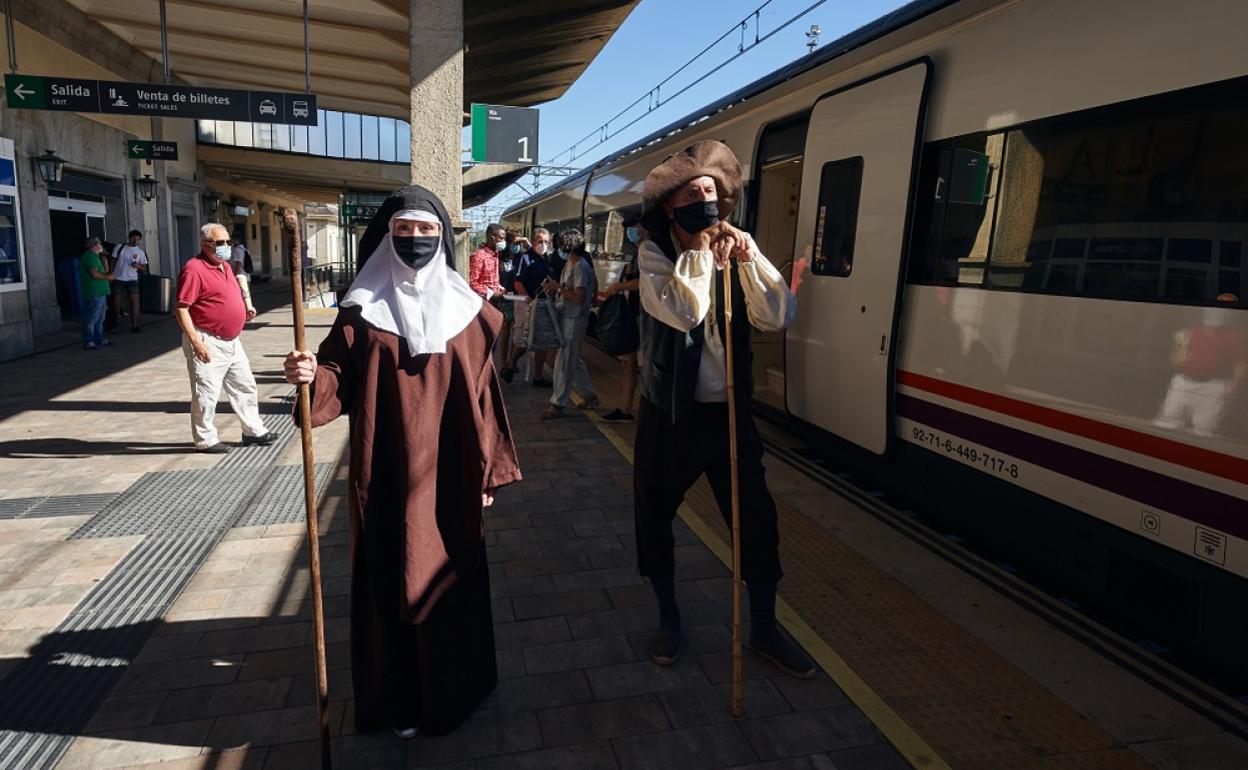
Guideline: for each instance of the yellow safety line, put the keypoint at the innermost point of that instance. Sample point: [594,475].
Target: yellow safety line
[907,742]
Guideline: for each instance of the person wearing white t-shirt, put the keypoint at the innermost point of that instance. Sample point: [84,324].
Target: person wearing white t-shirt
[238,261]
[131,261]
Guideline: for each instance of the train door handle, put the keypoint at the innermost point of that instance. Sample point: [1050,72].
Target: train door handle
[883,337]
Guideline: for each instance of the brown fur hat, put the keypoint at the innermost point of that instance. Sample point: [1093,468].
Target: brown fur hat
[706,158]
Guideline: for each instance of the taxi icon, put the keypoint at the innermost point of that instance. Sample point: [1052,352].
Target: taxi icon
[268,108]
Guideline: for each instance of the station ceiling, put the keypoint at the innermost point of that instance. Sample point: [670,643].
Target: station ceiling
[519,52]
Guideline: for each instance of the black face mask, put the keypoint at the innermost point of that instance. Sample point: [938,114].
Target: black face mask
[696,217]
[416,250]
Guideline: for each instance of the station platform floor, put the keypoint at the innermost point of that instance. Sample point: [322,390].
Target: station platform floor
[154,607]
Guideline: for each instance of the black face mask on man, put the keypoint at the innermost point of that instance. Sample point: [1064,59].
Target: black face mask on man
[696,217]
[416,250]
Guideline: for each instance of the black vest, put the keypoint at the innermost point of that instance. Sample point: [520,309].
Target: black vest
[673,357]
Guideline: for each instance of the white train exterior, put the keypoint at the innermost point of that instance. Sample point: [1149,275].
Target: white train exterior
[1024,229]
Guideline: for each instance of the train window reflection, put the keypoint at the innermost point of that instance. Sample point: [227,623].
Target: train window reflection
[840,187]
[958,190]
[1144,200]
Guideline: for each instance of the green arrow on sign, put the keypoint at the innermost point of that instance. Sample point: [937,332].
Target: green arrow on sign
[24,91]
[138,149]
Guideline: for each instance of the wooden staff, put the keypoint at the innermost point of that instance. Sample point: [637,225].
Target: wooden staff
[290,224]
[738,697]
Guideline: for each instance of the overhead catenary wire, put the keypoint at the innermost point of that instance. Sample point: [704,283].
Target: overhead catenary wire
[654,97]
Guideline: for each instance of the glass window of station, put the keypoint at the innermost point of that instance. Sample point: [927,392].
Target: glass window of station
[1145,200]
[346,135]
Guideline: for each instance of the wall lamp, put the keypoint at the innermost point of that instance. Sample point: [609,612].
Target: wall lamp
[212,202]
[50,166]
[146,187]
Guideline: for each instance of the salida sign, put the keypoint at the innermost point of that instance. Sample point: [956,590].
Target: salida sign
[37,92]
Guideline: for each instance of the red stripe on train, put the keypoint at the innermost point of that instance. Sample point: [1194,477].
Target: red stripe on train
[1186,455]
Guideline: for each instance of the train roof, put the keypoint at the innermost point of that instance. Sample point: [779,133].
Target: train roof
[886,24]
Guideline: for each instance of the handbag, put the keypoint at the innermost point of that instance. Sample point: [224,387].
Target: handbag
[617,327]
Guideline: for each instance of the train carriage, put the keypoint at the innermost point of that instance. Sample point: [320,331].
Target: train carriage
[1018,231]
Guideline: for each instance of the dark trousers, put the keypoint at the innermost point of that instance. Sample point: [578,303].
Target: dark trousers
[669,458]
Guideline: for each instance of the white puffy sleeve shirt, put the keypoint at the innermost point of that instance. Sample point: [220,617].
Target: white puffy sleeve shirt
[681,295]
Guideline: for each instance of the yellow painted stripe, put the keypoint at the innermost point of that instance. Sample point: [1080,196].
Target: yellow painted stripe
[903,737]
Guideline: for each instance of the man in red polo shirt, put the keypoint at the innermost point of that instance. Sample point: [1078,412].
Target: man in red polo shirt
[211,313]
[483,265]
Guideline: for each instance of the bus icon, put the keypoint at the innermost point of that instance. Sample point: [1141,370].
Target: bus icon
[299,109]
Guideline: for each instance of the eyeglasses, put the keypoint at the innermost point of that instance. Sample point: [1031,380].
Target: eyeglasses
[217,243]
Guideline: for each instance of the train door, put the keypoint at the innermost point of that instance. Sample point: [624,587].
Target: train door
[861,150]
[773,221]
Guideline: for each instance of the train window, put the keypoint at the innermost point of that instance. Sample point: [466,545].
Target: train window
[957,190]
[1144,200]
[840,186]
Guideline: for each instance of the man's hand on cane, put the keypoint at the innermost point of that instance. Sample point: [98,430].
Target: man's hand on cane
[299,367]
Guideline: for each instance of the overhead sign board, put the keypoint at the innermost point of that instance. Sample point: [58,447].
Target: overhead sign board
[38,92]
[138,149]
[504,134]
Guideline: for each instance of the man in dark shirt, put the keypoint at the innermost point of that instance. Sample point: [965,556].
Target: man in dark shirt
[211,313]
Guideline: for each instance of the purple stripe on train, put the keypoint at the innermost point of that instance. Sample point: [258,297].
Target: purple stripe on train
[1204,506]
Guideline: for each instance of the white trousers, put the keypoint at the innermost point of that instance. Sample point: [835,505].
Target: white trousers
[229,369]
[1201,404]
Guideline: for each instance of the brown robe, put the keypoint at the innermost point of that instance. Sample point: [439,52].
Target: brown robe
[428,434]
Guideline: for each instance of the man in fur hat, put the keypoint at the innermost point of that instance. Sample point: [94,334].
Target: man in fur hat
[682,426]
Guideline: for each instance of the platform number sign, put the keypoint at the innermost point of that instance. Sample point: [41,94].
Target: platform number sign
[504,134]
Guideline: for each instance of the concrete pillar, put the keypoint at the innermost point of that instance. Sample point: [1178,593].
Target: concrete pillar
[437,105]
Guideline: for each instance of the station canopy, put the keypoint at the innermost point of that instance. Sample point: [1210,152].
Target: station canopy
[518,52]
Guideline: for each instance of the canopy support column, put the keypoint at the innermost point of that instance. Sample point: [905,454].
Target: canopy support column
[437,106]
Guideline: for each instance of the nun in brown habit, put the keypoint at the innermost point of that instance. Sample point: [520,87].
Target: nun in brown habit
[682,426]
[408,359]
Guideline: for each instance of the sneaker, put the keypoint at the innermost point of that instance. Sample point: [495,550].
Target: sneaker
[106,344]
[263,440]
[216,449]
[786,655]
[507,374]
[406,733]
[665,650]
[618,416]
[88,346]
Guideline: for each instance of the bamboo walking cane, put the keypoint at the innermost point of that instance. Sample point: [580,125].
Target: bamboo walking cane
[290,224]
[738,697]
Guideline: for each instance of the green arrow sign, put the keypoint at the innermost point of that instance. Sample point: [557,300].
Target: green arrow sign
[24,91]
[139,149]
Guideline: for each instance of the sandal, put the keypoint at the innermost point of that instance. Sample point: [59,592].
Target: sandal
[552,412]
[590,404]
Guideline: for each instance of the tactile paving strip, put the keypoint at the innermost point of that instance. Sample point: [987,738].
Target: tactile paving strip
[65,505]
[281,499]
[51,695]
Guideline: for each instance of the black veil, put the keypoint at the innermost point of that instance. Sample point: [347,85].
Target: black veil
[411,197]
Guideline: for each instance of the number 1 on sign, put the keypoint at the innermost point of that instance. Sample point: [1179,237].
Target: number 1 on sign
[524,150]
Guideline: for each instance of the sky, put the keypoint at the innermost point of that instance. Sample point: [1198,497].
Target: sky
[653,42]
